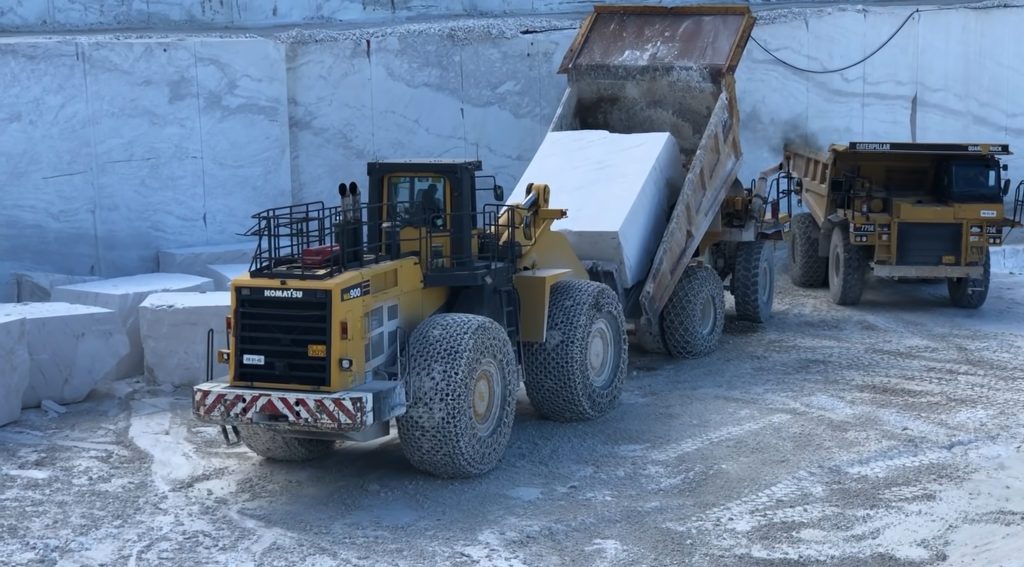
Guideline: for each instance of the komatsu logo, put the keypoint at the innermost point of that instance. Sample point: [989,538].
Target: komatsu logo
[873,147]
[283,293]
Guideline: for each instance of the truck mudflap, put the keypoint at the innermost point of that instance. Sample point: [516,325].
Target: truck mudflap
[345,411]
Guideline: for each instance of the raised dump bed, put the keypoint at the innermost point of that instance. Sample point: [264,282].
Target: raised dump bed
[639,71]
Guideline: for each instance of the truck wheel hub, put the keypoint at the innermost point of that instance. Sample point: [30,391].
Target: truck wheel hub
[486,391]
[599,352]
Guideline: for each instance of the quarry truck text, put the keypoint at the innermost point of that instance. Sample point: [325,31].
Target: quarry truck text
[424,306]
[902,210]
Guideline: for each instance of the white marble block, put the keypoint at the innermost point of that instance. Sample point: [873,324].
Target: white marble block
[222,274]
[618,189]
[71,349]
[195,260]
[123,296]
[14,364]
[174,328]
[38,286]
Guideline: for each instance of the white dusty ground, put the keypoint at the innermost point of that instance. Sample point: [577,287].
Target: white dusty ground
[886,434]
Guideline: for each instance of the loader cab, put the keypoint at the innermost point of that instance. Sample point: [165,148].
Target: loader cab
[428,208]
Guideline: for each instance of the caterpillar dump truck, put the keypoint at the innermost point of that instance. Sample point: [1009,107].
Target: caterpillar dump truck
[418,305]
[899,210]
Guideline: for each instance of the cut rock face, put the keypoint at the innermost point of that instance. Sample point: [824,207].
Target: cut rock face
[195,260]
[123,296]
[222,274]
[618,189]
[174,328]
[71,349]
[14,364]
[38,286]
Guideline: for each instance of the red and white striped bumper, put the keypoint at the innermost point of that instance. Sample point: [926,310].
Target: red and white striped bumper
[217,402]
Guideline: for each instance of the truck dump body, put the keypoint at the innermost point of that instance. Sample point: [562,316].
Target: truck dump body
[654,69]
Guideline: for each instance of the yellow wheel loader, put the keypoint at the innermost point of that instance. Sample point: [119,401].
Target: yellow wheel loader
[422,307]
[900,210]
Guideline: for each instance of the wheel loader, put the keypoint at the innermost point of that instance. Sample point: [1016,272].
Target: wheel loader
[917,211]
[420,306]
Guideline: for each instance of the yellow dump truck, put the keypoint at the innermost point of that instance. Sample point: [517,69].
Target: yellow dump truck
[899,210]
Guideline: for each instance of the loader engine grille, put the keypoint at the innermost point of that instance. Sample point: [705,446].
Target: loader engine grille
[925,243]
[282,336]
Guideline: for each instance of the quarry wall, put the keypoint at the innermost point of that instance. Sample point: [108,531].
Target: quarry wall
[114,146]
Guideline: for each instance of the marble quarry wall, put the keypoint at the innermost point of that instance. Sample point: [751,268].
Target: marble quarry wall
[114,146]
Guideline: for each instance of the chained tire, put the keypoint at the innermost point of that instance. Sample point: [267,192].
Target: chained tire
[461,386]
[694,316]
[753,281]
[806,267]
[847,268]
[578,372]
[971,293]
[276,447]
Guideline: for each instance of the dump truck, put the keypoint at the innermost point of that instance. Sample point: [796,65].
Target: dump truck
[899,210]
[423,306]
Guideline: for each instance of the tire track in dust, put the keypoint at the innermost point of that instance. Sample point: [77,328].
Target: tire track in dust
[701,441]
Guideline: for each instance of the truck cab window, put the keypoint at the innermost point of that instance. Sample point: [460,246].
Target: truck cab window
[974,181]
[417,200]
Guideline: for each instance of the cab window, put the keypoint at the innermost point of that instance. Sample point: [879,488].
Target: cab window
[417,200]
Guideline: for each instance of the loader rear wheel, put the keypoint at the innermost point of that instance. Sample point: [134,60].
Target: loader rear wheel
[847,268]
[971,293]
[806,267]
[753,281]
[461,386]
[577,373]
[276,447]
[694,316]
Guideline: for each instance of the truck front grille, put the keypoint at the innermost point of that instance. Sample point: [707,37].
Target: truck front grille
[277,327]
[925,243]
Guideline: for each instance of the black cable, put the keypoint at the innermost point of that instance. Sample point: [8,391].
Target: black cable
[851,65]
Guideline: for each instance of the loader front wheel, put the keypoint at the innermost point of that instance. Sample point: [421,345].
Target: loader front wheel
[461,388]
[276,447]
[694,316]
[577,373]
[806,267]
[847,268]
[753,281]
[971,293]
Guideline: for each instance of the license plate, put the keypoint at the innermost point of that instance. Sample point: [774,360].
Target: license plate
[256,359]
[316,351]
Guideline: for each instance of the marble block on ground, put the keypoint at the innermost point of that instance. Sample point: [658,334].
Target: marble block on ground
[618,188]
[123,296]
[222,274]
[174,327]
[1007,258]
[38,286]
[14,365]
[71,349]
[195,260]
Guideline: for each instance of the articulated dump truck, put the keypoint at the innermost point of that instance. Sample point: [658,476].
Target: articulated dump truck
[420,307]
[899,210]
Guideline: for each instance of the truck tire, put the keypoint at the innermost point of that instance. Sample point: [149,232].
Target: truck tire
[694,316]
[461,387]
[971,293]
[578,372]
[847,268]
[806,267]
[753,281]
[276,447]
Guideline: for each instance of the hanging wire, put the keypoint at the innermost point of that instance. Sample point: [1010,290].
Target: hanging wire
[875,51]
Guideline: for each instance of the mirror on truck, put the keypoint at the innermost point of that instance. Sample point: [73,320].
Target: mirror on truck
[1006,187]
[499,193]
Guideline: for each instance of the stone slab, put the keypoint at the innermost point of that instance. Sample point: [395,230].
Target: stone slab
[222,274]
[123,296]
[38,286]
[197,259]
[71,349]
[618,189]
[14,365]
[174,329]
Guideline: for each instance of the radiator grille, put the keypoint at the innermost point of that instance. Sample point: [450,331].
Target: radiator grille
[280,330]
[925,243]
